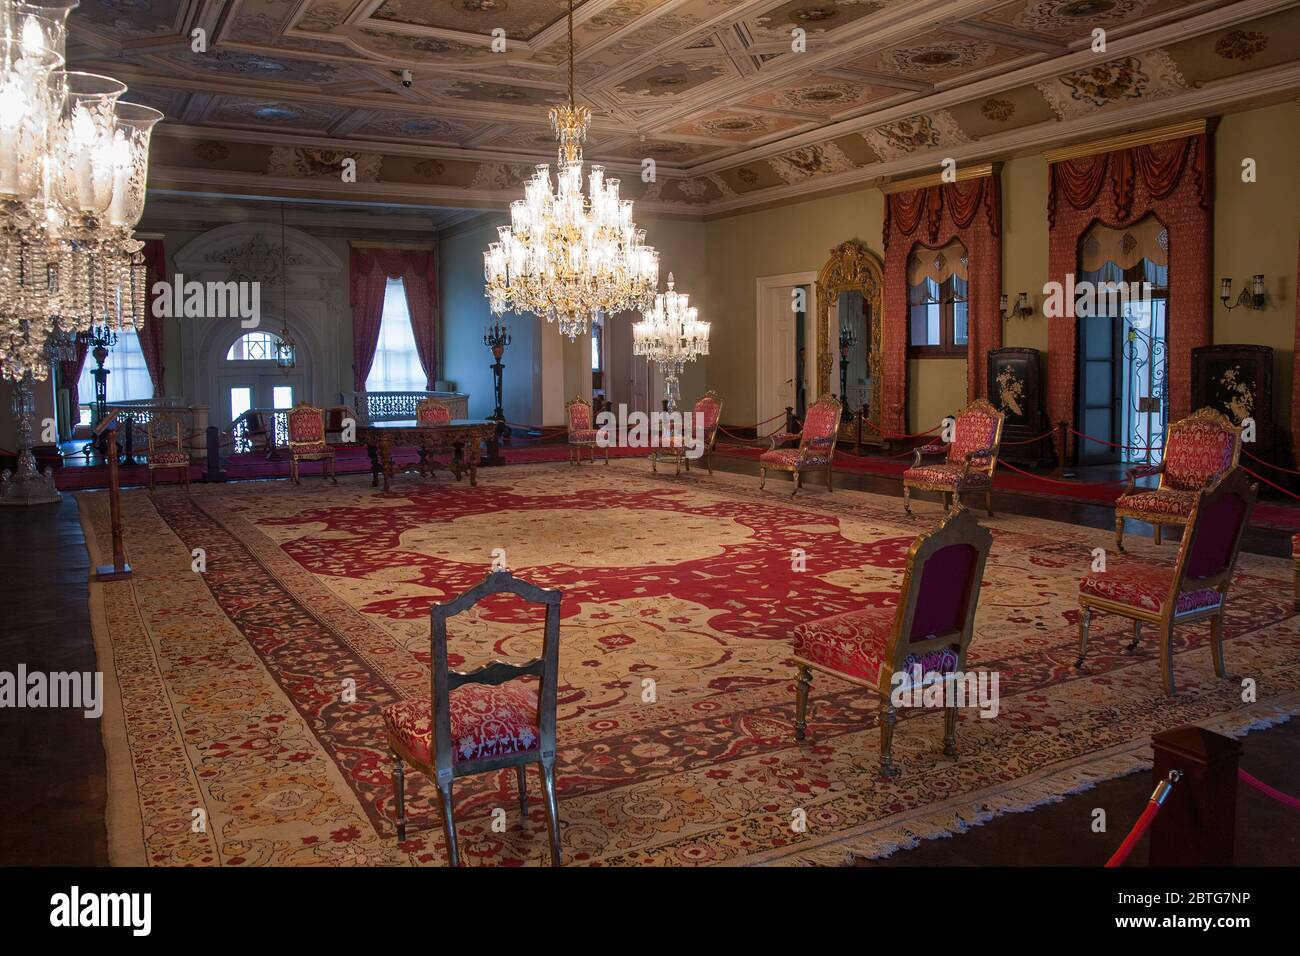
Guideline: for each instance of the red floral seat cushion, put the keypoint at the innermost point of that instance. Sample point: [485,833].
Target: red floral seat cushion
[1164,501]
[583,437]
[1144,586]
[308,449]
[169,458]
[787,457]
[854,644]
[486,721]
[1197,453]
[944,474]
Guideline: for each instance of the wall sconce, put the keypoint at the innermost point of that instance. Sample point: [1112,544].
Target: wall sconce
[1023,309]
[1252,298]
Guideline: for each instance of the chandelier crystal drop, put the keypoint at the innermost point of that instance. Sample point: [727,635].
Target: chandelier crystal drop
[567,255]
[73,167]
[670,334]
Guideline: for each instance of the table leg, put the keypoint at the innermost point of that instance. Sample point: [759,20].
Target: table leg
[372,448]
[458,458]
[473,461]
[424,459]
[386,453]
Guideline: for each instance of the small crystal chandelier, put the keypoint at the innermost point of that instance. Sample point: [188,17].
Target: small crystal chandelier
[286,349]
[671,334]
[567,256]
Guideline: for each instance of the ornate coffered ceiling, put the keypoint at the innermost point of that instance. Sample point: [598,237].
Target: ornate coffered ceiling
[732,104]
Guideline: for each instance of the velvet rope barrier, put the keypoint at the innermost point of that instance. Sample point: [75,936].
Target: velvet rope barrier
[1283,798]
[1054,481]
[888,434]
[1275,487]
[1102,441]
[1269,464]
[1158,796]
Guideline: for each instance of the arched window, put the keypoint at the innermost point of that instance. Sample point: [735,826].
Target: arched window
[397,365]
[129,378]
[937,307]
[254,347]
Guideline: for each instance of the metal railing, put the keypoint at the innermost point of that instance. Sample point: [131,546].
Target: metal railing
[399,406]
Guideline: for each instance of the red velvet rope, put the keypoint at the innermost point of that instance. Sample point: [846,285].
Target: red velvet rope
[1283,798]
[1269,464]
[1028,441]
[1154,803]
[1275,487]
[872,425]
[1102,441]
[1054,481]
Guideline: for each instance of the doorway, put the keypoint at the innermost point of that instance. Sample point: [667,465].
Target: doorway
[786,341]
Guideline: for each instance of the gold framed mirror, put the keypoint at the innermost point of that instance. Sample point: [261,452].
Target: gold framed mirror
[850,295]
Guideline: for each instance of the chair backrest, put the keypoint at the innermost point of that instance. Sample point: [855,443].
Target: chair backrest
[430,411]
[578,414]
[1198,449]
[545,668]
[821,424]
[1208,552]
[938,597]
[710,407]
[978,426]
[164,433]
[306,425]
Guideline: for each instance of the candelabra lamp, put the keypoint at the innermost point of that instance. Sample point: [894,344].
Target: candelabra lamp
[496,338]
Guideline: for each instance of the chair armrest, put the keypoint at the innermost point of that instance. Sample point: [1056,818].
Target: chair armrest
[780,438]
[1141,471]
[931,450]
[971,456]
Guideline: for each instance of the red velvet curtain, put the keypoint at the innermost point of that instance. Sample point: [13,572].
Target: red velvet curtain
[151,336]
[1173,179]
[370,271]
[933,216]
[70,375]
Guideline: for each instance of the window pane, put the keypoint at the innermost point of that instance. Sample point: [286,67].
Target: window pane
[253,347]
[128,375]
[959,322]
[397,365]
[241,400]
[925,313]
[282,396]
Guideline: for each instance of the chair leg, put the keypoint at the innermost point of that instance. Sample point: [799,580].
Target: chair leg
[798,481]
[522,780]
[1216,645]
[1167,659]
[399,789]
[552,817]
[148,477]
[334,475]
[449,823]
[1085,621]
[1119,533]
[1137,636]
[708,460]
[988,502]
[950,731]
[802,685]
[762,480]
[887,721]
[907,498]
[829,480]
[1155,533]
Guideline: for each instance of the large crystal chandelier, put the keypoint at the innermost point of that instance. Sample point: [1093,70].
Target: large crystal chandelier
[73,164]
[564,255]
[671,334]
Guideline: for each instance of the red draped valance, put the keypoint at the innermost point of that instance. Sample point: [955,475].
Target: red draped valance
[934,216]
[1159,167]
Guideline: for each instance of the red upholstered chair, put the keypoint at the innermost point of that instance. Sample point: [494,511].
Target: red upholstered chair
[816,449]
[307,441]
[673,448]
[1198,450]
[430,411]
[969,459]
[167,449]
[483,720]
[1195,588]
[931,628]
[336,421]
[582,430]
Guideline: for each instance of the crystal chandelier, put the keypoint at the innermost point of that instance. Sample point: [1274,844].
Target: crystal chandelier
[73,165]
[567,256]
[671,334]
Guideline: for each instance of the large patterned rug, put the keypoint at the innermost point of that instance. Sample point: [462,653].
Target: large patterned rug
[232,738]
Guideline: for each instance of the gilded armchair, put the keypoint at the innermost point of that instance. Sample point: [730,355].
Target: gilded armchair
[482,720]
[930,629]
[167,449]
[816,451]
[969,459]
[706,413]
[1195,588]
[582,430]
[1199,449]
[307,441]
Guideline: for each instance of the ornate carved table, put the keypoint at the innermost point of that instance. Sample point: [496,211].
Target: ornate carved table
[464,436]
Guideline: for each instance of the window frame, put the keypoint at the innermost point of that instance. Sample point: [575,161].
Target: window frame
[379,361]
[947,347]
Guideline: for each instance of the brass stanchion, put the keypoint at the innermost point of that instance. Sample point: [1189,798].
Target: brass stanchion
[119,570]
